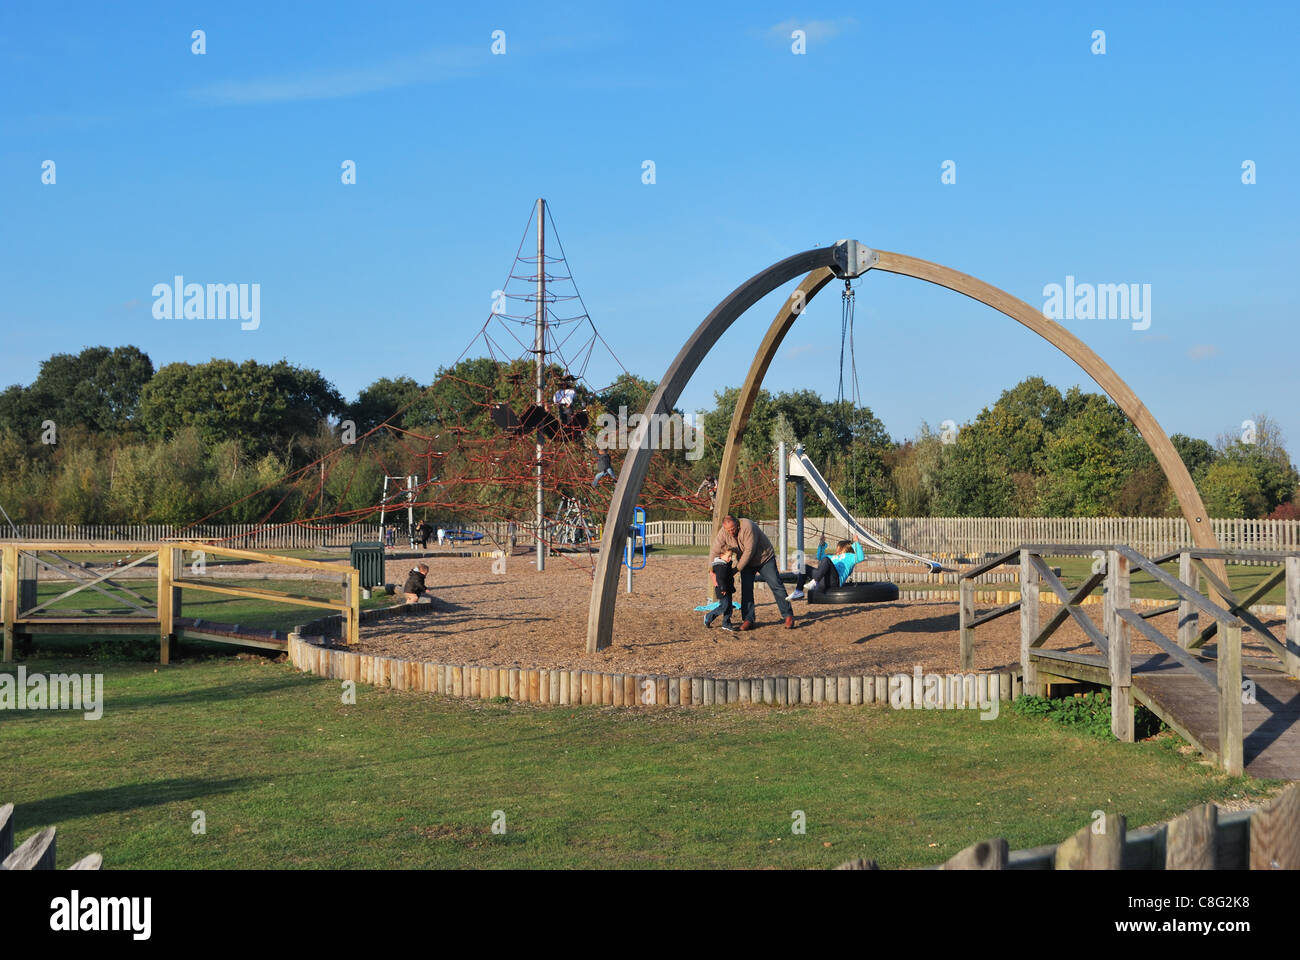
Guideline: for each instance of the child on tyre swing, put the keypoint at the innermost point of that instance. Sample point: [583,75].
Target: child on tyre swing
[723,569]
[832,570]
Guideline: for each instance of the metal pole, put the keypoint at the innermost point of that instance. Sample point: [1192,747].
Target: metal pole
[539,352]
[410,511]
[782,534]
[627,554]
[798,520]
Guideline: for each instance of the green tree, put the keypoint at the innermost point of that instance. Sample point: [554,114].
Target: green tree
[1196,454]
[98,388]
[380,402]
[267,407]
[1263,452]
[1231,489]
[1083,462]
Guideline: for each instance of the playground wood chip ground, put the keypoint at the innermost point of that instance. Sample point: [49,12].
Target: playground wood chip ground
[531,620]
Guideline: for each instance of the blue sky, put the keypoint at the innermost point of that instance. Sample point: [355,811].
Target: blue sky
[225,167]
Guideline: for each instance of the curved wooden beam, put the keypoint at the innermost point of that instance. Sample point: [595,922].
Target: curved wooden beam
[604,587]
[1175,471]
[794,305]
[600,615]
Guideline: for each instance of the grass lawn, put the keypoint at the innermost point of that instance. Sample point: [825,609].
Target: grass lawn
[289,776]
[215,607]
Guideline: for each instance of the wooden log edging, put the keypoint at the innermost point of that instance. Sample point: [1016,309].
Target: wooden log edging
[567,687]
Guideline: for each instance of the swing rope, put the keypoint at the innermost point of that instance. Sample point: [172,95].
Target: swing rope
[847,303]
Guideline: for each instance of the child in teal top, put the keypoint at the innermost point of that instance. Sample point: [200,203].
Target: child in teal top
[832,569]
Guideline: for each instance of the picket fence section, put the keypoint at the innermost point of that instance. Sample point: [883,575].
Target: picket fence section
[977,536]
[247,536]
[969,536]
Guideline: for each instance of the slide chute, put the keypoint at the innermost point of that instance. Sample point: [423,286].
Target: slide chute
[801,466]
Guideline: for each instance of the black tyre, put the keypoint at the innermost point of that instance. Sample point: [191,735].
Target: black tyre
[878,591]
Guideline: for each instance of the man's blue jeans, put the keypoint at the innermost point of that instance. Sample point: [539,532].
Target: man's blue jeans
[772,577]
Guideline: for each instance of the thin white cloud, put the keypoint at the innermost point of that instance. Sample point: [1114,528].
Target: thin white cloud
[427,67]
[815,30]
[1202,351]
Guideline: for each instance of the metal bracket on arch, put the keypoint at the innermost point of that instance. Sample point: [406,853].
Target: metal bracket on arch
[853,259]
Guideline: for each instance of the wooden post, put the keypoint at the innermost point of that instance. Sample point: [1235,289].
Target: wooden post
[1275,833]
[1087,850]
[354,606]
[6,830]
[1293,615]
[1187,573]
[1190,839]
[1121,670]
[1231,756]
[35,853]
[166,613]
[986,855]
[1029,625]
[965,614]
[9,587]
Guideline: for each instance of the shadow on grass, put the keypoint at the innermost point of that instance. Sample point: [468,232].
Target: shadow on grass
[90,803]
[225,692]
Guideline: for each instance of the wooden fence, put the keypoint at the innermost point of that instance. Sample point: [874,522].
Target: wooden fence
[1264,839]
[22,616]
[246,535]
[37,851]
[969,536]
[979,536]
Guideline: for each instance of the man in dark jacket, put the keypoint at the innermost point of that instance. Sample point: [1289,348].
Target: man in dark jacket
[414,587]
[755,557]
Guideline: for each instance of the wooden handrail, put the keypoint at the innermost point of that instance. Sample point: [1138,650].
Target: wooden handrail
[988,565]
[1179,588]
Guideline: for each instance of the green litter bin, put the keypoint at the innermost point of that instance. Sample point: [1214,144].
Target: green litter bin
[368,557]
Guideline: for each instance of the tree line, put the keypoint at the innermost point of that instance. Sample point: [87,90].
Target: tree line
[103,437]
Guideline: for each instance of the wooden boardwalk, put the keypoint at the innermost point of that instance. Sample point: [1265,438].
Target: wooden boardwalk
[1270,725]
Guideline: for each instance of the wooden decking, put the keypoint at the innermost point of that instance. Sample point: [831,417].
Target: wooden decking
[1270,726]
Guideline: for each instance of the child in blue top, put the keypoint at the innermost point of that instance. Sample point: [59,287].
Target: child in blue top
[832,569]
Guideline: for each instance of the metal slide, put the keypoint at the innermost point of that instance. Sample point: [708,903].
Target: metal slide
[801,466]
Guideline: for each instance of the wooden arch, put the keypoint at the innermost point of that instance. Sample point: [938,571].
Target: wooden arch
[820,265]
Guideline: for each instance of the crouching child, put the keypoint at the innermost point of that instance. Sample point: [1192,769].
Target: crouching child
[414,587]
[723,571]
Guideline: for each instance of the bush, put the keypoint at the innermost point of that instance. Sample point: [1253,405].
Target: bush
[1088,713]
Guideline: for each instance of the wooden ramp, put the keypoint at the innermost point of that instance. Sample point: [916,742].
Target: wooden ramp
[191,629]
[1270,725]
[1241,711]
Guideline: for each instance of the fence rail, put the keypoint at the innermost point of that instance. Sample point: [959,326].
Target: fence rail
[971,536]
[1267,838]
[980,536]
